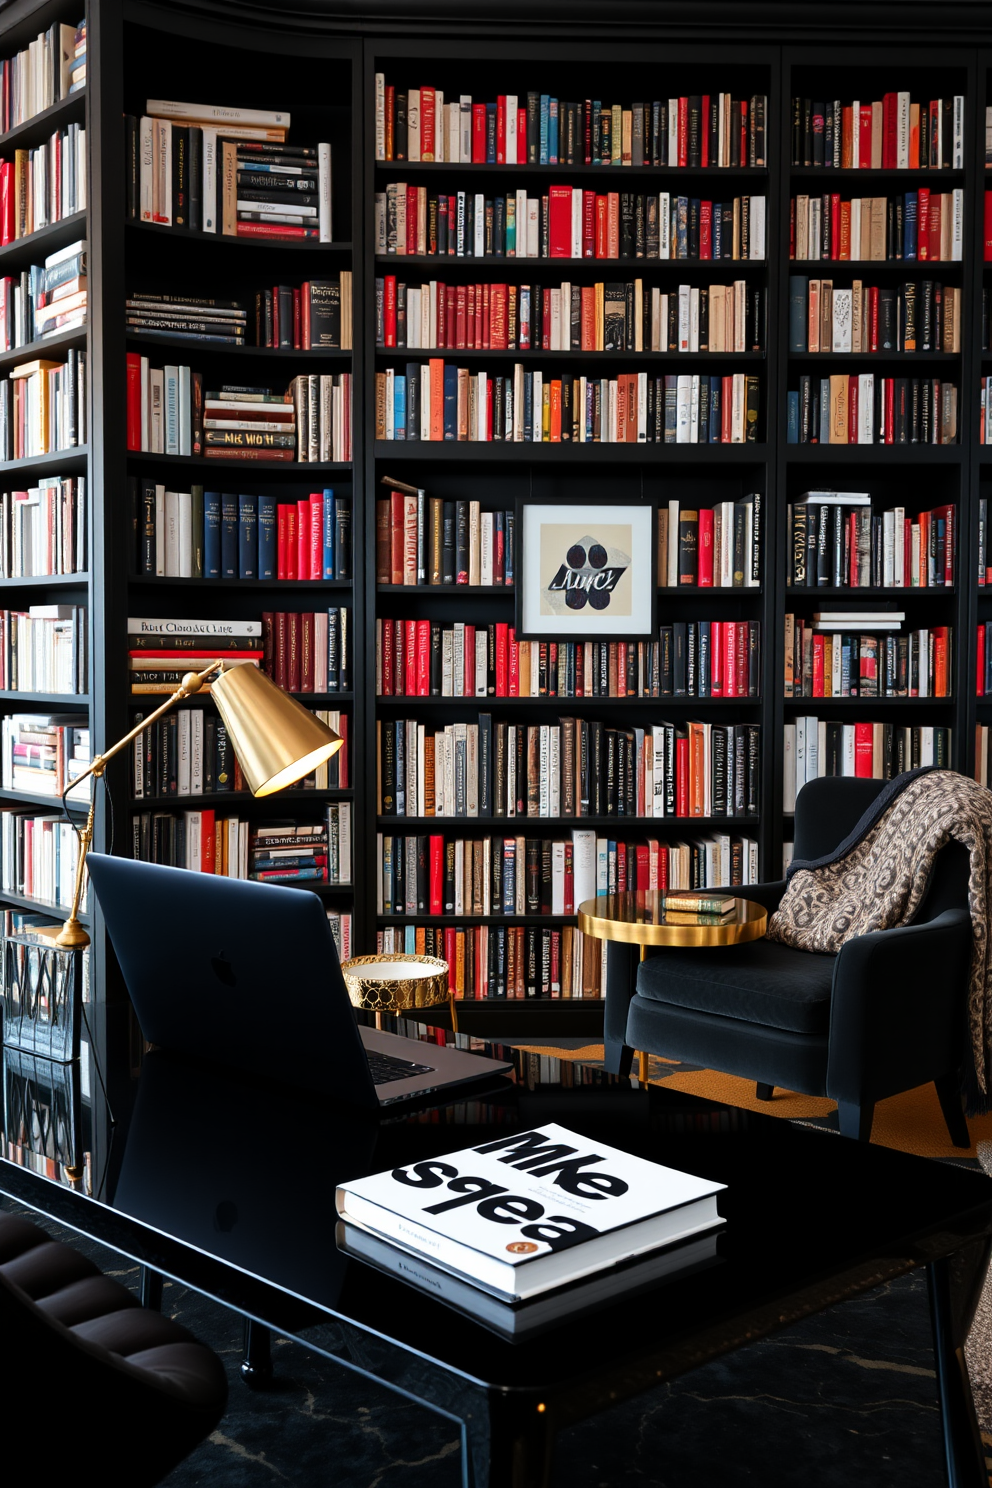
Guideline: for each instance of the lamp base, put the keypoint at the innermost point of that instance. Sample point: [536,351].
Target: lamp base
[72,936]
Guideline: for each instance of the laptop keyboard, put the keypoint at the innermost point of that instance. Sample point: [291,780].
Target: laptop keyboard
[385,1068]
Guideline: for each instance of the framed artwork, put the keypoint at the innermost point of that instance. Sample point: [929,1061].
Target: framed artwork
[584,573]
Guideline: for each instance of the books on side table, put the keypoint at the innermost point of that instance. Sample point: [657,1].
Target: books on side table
[522,1230]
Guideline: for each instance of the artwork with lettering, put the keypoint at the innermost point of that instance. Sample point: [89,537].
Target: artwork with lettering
[586,572]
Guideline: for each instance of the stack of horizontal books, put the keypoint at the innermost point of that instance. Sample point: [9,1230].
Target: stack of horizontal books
[162,651]
[247,423]
[189,316]
[699,909]
[484,1231]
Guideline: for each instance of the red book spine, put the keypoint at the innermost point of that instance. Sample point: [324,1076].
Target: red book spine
[502,676]
[980,677]
[863,750]
[852,411]
[468,675]
[7,201]
[923,223]
[315,568]
[303,539]
[133,400]
[304,343]
[683,131]
[716,658]
[682,777]
[835,225]
[742,629]
[389,311]
[933,226]
[729,667]
[501,130]
[706,226]
[908,554]
[478,134]
[437,879]
[889,103]
[423,662]
[864,137]
[988,226]
[292,571]
[461,318]
[386,643]
[513,665]
[704,131]
[521,143]
[705,569]
[441,320]
[889,403]
[294,652]
[602,228]
[280,649]
[208,841]
[818,666]
[428,101]
[297,320]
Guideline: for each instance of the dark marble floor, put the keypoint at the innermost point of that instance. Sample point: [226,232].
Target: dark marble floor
[846,1397]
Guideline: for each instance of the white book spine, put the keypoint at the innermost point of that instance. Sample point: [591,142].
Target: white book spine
[324,192]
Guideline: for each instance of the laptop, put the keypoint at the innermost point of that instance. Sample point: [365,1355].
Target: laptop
[246,975]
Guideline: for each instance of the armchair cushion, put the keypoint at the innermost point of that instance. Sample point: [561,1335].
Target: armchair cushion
[761,982]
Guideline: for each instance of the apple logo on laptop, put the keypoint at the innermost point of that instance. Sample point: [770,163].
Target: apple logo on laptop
[223,970]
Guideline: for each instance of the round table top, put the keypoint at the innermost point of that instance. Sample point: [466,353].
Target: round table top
[640,919]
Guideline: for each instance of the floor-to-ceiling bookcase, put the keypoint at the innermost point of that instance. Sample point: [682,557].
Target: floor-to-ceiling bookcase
[323,69]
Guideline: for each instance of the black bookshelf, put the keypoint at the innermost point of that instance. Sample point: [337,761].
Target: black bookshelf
[322,67]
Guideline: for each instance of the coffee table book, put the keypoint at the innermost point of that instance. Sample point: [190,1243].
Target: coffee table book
[531,1211]
[524,1319]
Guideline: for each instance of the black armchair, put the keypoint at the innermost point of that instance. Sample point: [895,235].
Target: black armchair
[887,1014]
[85,1364]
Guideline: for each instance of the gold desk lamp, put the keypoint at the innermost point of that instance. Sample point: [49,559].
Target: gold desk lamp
[275,738]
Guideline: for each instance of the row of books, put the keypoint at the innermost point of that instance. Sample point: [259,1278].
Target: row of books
[209,168]
[43,529]
[422,658]
[568,317]
[200,534]
[43,407]
[425,540]
[506,961]
[923,316]
[434,875]
[300,652]
[44,649]
[438,401]
[38,856]
[715,546]
[43,753]
[44,300]
[43,185]
[538,129]
[188,753]
[47,70]
[572,768]
[831,656]
[281,852]
[890,133]
[566,222]
[861,408]
[924,225]
[169,413]
[317,316]
[818,747]
[838,541]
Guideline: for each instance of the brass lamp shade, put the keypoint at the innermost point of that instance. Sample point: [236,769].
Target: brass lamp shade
[276,740]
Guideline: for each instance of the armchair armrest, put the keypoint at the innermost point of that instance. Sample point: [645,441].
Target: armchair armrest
[767,894]
[897,1009]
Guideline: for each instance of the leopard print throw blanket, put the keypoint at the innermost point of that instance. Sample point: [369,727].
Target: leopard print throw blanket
[880,882]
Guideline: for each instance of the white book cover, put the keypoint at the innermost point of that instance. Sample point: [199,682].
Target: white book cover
[602,866]
[184,741]
[558,878]
[172,535]
[216,113]
[196,752]
[413,124]
[757,247]
[531,1210]
[160,526]
[146,157]
[465,113]
[324,192]
[208,628]
[511,129]
[583,865]
[185,500]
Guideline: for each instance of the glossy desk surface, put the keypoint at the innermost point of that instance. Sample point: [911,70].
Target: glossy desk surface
[228,1185]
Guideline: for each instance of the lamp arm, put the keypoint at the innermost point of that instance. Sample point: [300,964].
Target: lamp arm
[73,936]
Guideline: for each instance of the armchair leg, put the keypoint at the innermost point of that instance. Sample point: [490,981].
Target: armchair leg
[617,1058]
[765,1092]
[256,1357]
[949,1096]
[855,1121]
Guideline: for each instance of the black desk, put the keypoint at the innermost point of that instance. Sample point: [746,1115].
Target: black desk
[228,1187]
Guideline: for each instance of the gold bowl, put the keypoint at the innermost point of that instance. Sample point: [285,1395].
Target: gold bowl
[395,982]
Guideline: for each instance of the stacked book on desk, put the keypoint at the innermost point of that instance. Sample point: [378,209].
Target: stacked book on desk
[506,1254]
[190,316]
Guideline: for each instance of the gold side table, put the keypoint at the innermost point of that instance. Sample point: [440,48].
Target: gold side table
[396,983]
[639,919]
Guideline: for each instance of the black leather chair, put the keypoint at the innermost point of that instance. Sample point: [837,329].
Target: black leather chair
[887,1014]
[82,1363]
